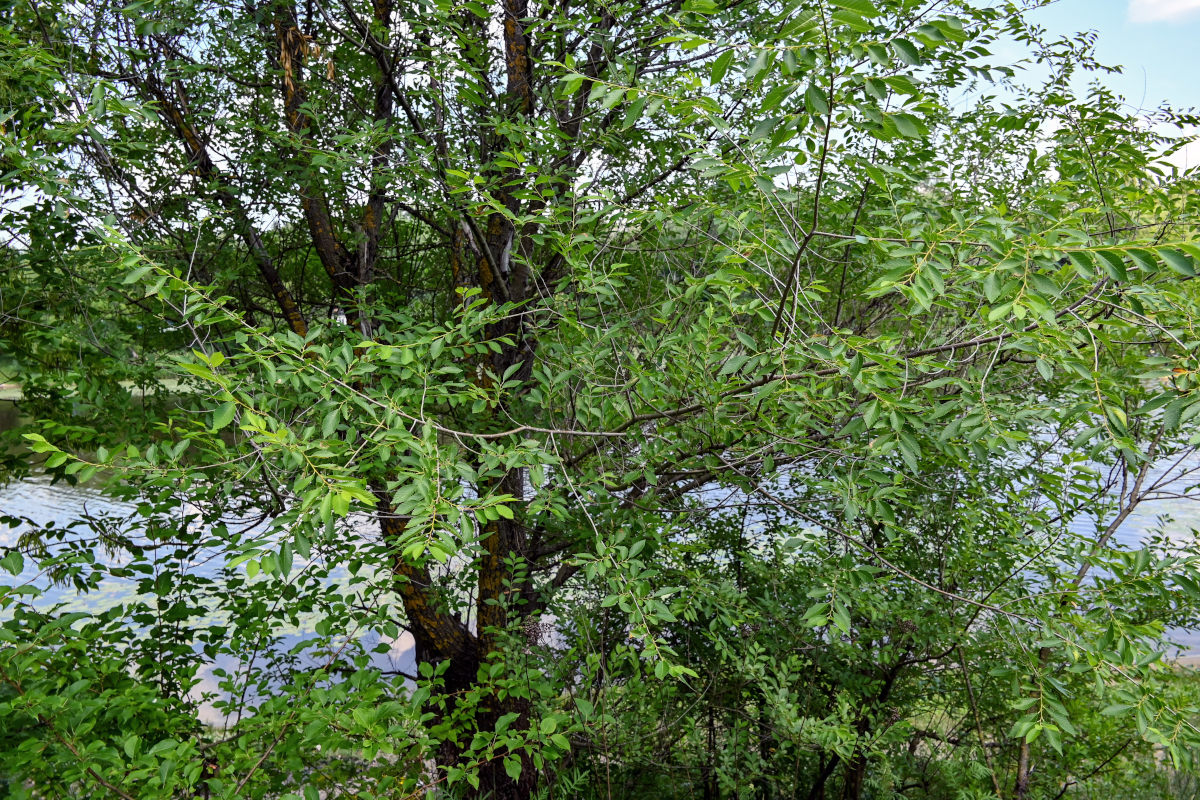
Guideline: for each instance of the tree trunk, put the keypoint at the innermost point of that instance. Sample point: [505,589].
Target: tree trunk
[817,791]
[856,773]
[1021,790]
[441,637]
[494,780]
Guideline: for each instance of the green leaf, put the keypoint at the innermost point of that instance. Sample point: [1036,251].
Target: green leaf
[1084,263]
[13,562]
[907,125]
[223,415]
[758,64]
[1173,412]
[720,66]
[762,129]
[999,312]
[1178,261]
[815,101]
[1113,264]
[572,84]
[1144,259]
[907,51]
[734,364]
[330,422]
[841,618]
[634,112]
[136,275]
[38,443]
[863,8]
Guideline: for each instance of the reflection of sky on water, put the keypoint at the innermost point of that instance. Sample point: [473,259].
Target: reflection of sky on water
[1183,513]
[401,656]
[1171,516]
[46,504]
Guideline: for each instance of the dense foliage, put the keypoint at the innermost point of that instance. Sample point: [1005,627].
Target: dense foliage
[597,399]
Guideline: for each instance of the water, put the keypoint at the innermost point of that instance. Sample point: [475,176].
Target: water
[1171,517]
[44,503]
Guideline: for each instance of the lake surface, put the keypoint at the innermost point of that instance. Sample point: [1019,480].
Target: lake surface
[44,503]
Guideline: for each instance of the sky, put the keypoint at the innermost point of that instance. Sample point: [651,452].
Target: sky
[1154,40]
[1157,42]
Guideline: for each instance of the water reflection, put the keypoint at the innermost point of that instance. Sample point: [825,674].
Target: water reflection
[45,504]
[54,505]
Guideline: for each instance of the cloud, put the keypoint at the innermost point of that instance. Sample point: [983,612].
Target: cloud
[1161,10]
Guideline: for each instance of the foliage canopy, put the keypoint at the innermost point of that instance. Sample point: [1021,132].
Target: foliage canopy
[721,399]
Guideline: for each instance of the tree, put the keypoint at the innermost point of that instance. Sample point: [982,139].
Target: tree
[482,306]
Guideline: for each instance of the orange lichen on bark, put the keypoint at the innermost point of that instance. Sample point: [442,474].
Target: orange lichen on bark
[516,51]
[436,630]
